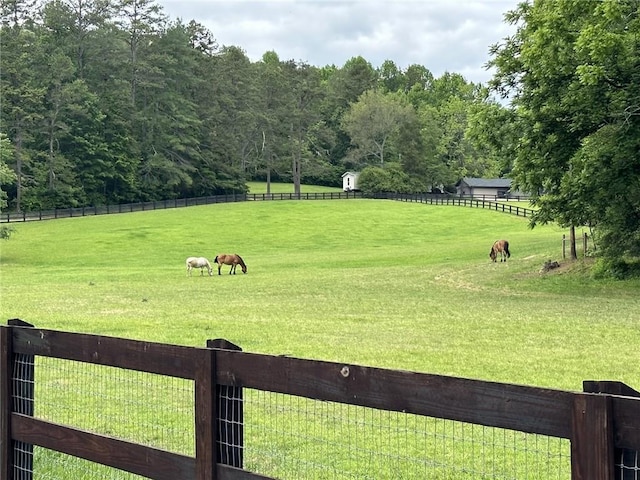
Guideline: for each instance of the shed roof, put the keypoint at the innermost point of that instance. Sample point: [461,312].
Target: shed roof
[486,182]
[350,173]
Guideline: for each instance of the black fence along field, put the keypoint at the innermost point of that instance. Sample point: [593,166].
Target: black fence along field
[489,202]
[93,407]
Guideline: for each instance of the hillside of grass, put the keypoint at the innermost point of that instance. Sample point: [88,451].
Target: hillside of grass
[371,282]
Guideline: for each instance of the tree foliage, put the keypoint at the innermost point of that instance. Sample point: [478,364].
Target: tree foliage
[108,101]
[572,72]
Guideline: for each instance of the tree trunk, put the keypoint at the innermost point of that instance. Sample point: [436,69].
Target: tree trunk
[296,158]
[18,156]
[266,157]
[572,242]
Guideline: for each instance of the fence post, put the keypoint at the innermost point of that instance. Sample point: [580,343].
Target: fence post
[592,452]
[17,383]
[628,458]
[584,244]
[205,406]
[564,246]
[229,416]
[5,403]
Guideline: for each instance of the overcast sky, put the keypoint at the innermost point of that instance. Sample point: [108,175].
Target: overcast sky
[441,35]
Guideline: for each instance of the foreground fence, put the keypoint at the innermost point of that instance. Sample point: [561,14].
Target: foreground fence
[492,203]
[94,407]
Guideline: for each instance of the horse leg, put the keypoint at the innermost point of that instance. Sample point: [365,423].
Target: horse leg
[219,267]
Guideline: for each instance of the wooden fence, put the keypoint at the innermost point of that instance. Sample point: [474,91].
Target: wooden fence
[597,425]
[484,201]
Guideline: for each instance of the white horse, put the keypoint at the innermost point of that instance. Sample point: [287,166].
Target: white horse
[198,262]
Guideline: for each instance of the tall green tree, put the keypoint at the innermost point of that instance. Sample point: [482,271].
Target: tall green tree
[304,118]
[231,118]
[272,110]
[23,93]
[7,175]
[391,78]
[74,23]
[418,77]
[141,20]
[344,87]
[169,124]
[371,122]
[493,130]
[571,71]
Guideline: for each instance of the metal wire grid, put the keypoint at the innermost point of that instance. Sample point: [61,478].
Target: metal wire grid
[148,409]
[50,465]
[230,433]
[628,465]
[22,461]
[22,399]
[289,437]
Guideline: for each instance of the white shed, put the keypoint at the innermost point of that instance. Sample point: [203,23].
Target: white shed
[350,181]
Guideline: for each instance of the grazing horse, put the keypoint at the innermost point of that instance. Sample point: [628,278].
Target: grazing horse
[500,247]
[198,262]
[232,259]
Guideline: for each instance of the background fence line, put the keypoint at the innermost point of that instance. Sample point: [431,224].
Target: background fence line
[485,201]
[594,423]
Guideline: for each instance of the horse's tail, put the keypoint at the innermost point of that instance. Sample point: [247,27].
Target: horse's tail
[215,260]
[506,249]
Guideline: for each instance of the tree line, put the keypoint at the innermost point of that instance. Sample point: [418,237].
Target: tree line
[107,101]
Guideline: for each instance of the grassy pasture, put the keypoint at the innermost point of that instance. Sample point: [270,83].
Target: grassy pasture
[261,187]
[371,282]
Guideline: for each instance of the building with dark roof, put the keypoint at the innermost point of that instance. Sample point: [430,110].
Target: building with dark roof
[485,187]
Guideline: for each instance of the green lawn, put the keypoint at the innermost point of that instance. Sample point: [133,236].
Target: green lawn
[261,187]
[372,282]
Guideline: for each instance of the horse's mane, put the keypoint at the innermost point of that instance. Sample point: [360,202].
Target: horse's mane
[240,260]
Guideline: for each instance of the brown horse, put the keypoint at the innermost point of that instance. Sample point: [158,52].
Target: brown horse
[232,259]
[500,247]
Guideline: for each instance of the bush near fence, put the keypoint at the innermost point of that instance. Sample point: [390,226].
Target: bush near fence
[485,201]
[256,416]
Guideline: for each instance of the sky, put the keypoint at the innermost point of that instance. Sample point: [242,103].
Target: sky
[441,35]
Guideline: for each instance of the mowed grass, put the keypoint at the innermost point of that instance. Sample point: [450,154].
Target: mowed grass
[277,187]
[372,282]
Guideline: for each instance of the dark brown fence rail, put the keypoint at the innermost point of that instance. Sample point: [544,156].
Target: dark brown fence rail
[490,202]
[597,425]
[484,201]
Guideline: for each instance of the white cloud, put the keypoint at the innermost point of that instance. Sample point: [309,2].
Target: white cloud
[441,35]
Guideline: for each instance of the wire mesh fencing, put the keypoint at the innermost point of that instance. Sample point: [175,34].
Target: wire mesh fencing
[627,464]
[290,437]
[143,408]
